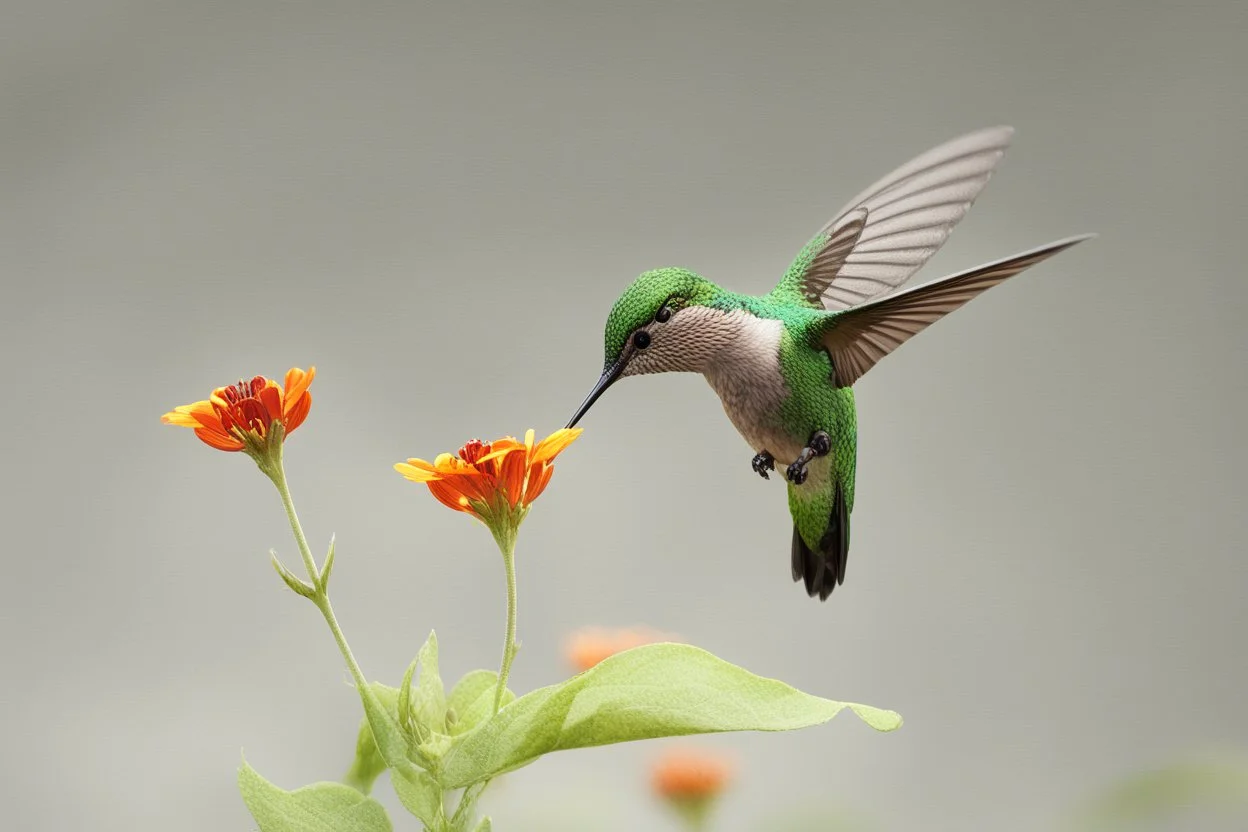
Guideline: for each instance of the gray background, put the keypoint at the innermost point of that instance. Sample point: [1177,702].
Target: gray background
[436,206]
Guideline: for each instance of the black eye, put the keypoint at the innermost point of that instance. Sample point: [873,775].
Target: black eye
[664,313]
[641,340]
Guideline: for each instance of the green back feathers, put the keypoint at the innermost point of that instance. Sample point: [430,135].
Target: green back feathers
[791,289]
[640,302]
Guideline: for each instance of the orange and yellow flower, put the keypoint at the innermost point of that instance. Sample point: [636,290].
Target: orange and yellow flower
[242,417]
[493,481]
[589,646]
[690,779]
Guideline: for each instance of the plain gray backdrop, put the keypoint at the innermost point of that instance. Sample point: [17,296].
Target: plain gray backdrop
[436,205]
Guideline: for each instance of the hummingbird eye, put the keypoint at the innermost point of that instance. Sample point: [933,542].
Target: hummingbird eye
[664,314]
[641,340]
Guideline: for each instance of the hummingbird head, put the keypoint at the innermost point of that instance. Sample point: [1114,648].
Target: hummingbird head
[659,324]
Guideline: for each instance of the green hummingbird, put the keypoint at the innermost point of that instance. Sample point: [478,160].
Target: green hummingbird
[783,364]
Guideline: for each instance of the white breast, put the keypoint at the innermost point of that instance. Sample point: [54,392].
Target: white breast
[746,375]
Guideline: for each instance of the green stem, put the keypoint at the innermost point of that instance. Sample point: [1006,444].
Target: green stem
[695,813]
[507,545]
[278,474]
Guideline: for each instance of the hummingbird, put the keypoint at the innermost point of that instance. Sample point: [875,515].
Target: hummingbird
[784,364]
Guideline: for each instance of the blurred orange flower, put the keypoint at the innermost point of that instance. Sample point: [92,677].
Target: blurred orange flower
[241,417]
[492,481]
[690,778]
[590,645]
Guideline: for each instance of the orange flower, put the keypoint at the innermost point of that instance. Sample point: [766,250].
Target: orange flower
[690,779]
[242,417]
[589,646]
[493,481]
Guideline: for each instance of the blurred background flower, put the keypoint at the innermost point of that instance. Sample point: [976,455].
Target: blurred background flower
[590,645]
[689,778]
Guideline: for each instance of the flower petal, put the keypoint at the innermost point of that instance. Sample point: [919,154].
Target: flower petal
[296,414]
[539,478]
[297,383]
[553,445]
[472,484]
[184,415]
[415,473]
[449,497]
[220,441]
[500,448]
[270,398]
[511,476]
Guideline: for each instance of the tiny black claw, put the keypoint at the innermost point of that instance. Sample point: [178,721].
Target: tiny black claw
[764,462]
[820,443]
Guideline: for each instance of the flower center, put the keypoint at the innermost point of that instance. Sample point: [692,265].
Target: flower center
[473,450]
[246,410]
[244,390]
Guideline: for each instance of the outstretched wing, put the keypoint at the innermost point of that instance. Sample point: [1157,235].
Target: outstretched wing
[858,338]
[887,232]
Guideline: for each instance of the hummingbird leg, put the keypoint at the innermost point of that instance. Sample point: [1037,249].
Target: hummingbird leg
[764,462]
[820,444]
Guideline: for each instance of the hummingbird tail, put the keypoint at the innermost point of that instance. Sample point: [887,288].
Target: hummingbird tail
[822,568]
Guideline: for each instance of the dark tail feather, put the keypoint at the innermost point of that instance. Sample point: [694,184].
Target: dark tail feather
[824,570]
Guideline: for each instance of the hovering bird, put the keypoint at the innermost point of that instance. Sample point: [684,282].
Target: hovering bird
[783,364]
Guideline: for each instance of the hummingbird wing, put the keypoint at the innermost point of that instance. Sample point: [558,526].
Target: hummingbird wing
[858,338]
[887,232]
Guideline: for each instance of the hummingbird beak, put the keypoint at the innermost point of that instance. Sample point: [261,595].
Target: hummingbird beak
[608,378]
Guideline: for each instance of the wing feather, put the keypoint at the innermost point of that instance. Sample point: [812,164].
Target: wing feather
[858,338]
[908,216]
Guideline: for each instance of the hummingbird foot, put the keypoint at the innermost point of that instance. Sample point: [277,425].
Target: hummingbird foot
[764,462]
[820,444]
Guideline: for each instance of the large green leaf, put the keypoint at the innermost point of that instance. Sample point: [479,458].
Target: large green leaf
[657,690]
[320,807]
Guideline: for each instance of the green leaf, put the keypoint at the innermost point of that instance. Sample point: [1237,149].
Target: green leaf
[367,765]
[484,825]
[465,693]
[467,808]
[321,807]
[431,698]
[656,690]
[404,705]
[328,566]
[296,584]
[380,712]
[419,794]
[473,700]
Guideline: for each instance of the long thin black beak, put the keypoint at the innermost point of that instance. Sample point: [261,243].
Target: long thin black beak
[608,378]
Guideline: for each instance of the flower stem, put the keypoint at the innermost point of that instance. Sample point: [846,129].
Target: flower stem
[695,814]
[277,473]
[507,545]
